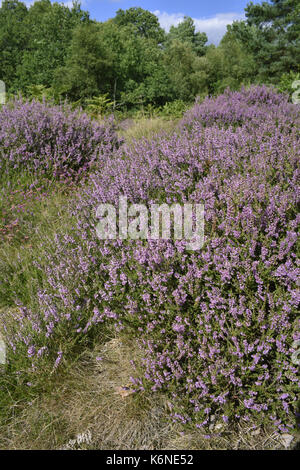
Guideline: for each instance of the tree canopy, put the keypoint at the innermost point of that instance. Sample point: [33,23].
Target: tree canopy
[143,22]
[185,32]
[271,33]
[131,60]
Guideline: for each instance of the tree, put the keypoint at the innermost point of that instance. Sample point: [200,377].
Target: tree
[109,58]
[186,32]
[87,69]
[13,40]
[50,29]
[238,65]
[272,33]
[184,70]
[143,22]
[154,86]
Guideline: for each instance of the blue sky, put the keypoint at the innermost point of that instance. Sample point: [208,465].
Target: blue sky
[210,16]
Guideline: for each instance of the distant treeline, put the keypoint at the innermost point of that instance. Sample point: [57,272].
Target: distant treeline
[131,61]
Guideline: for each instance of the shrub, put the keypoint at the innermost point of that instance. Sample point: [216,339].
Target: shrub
[249,107]
[39,137]
[217,326]
[174,109]
[286,82]
[99,105]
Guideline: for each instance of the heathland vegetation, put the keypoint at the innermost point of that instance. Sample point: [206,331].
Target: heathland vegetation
[144,344]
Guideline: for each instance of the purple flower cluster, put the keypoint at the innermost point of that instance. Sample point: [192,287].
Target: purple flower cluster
[249,106]
[216,326]
[40,137]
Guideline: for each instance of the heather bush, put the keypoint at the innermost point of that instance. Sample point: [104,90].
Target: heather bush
[216,326]
[40,137]
[249,106]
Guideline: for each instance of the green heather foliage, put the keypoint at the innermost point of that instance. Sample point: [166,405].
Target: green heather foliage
[216,327]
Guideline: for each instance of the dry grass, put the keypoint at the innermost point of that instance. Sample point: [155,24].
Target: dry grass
[86,399]
[146,128]
[85,402]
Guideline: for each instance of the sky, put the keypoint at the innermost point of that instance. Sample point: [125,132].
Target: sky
[210,16]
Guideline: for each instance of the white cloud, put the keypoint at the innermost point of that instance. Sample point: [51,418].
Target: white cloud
[69,3]
[214,27]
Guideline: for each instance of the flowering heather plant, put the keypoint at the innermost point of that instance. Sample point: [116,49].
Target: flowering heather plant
[249,106]
[55,140]
[217,326]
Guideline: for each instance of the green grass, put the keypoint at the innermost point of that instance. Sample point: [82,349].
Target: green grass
[47,409]
[32,210]
[83,399]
